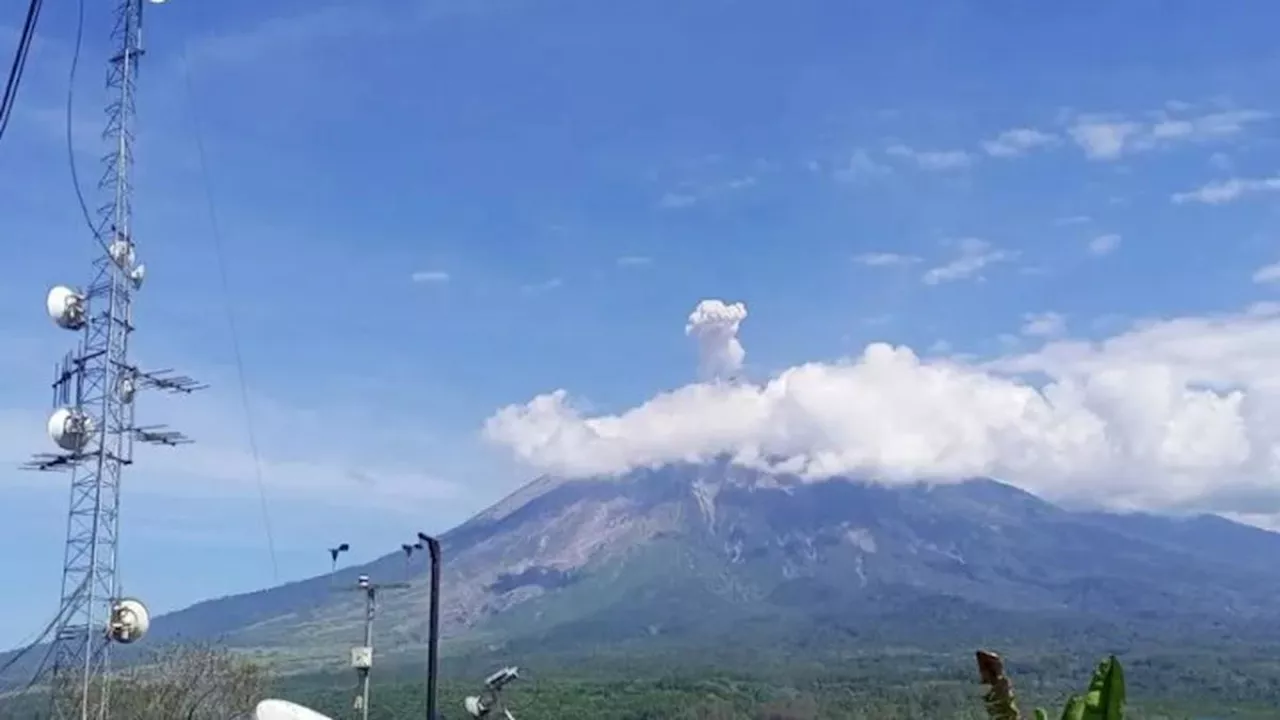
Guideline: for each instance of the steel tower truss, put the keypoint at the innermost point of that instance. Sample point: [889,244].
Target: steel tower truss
[98,383]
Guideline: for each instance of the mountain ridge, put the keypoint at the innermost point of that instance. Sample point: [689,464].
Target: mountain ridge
[686,556]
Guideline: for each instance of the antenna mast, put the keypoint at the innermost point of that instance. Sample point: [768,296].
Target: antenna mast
[93,423]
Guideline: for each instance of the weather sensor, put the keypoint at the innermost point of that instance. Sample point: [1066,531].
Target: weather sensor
[362,654]
[501,678]
[480,706]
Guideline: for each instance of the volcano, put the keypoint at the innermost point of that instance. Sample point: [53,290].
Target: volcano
[690,557]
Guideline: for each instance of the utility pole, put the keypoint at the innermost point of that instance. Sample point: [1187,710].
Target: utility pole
[433,621]
[362,655]
[432,546]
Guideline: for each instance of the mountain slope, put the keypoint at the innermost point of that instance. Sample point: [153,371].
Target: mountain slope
[684,555]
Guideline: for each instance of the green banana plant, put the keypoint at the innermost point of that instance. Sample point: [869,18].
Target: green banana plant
[1104,700]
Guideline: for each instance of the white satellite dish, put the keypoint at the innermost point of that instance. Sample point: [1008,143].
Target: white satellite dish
[130,621]
[70,429]
[66,307]
[121,251]
[285,710]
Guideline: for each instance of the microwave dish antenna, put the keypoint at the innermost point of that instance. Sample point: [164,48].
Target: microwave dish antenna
[66,307]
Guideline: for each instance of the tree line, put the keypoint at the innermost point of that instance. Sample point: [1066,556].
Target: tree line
[209,683]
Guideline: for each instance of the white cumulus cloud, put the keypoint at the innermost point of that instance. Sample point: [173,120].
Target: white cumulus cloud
[1220,192]
[860,166]
[1104,244]
[1267,274]
[430,276]
[1047,324]
[1177,414]
[974,256]
[932,159]
[1018,141]
[1073,220]
[1103,137]
[885,259]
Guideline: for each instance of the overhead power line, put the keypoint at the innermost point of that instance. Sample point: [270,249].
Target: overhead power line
[19,65]
[215,233]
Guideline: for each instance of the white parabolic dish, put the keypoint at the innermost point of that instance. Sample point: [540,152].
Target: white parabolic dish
[65,307]
[285,710]
[70,429]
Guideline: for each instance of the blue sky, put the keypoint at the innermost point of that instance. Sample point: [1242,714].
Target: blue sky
[567,179]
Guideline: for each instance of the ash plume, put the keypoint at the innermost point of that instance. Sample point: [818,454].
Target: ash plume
[714,324]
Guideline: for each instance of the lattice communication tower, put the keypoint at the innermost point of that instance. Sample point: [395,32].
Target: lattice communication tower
[93,424]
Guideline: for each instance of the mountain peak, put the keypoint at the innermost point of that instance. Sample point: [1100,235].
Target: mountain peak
[694,546]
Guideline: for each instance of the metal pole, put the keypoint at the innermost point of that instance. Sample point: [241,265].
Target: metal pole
[370,603]
[362,656]
[433,628]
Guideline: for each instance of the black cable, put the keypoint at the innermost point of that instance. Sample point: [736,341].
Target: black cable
[28,647]
[53,624]
[71,151]
[19,65]
[38,675]
[216,234]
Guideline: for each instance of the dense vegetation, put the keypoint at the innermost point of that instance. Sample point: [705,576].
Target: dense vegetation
[725,698]
[192,682]
[885,687]
[208,684]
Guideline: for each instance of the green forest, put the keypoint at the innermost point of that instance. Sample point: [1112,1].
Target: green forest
[208,683]
[888,685]
[890,695]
